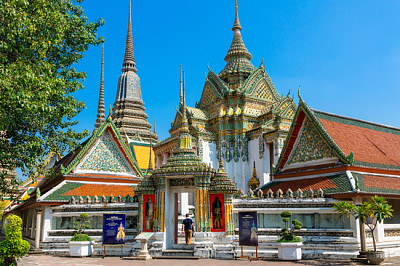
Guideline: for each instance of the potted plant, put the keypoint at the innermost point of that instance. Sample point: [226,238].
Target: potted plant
[289,247]
[13,247]
[378,209]
[81,245]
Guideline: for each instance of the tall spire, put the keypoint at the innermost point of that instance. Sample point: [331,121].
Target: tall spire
[101,108]
[180,87]
[236,24]
[155,127]
[150,158]
[183,85]
[238,57]
[129,63]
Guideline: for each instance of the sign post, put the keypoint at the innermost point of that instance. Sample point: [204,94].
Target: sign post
[113,230]
[248,232]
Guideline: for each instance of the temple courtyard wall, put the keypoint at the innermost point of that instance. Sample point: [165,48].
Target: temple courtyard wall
[324,234]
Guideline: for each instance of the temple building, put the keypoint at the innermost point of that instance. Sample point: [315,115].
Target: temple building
[242,148]
[240,118]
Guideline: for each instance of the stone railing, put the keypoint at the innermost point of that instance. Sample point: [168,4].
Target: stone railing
[259,194]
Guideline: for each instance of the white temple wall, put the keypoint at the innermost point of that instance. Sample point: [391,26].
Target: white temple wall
[262,165]
[210,154]
[46,221]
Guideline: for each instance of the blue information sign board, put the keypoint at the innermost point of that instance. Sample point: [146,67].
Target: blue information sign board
[248,233]
[113,229]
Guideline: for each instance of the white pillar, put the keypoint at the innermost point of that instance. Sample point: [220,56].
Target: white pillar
[379,232]
[184,203]
[38,226]
[32,224]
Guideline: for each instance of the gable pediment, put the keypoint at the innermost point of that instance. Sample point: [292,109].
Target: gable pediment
[310,148]
[105,156]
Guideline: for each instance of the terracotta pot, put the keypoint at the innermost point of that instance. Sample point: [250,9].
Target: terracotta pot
[375,258]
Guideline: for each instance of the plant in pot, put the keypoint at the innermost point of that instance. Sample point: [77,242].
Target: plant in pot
[81,245]
[378,209]
[289,247]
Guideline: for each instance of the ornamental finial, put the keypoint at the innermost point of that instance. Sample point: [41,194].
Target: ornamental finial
[100,107]
[221,165]
[109,114]
[180,87]
[298,94]
[236,24]
[129,63]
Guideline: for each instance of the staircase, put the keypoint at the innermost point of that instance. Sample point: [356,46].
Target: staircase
[179,251]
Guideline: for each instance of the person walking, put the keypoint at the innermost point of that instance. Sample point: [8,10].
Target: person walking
[188,227]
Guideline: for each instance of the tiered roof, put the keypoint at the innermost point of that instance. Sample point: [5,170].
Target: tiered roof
[128,111]
[340,155]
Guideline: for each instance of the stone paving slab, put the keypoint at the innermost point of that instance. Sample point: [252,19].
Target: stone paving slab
[47,260]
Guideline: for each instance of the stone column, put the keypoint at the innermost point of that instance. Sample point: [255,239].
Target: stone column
[38,227]
[379,233]
[32,224]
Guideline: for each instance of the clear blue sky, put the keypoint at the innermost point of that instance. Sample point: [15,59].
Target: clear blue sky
[344,54]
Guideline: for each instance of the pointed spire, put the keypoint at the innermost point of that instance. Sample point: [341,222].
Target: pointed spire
[101,108]
[155,127]
[221,165]
[180,87]
[238,57]
[184,93]
[150,158]
[236,24]
[129,63]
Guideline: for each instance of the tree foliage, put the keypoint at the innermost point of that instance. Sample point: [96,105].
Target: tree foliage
[80,225]
[287,233]
[13,247]
[40,43]
[376,208]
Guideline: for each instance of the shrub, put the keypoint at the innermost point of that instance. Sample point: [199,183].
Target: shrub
[13,247]
[80,225]
[287,233]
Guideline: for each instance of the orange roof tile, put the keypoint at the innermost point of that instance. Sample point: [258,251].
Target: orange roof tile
[99,190]
[304,184]
[385,182]
[368,145]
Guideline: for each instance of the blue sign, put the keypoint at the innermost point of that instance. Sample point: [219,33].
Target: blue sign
[113,229]
[248,229]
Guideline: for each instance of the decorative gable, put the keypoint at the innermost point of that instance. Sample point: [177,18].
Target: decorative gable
[105,156]
[309,146]
[209,95]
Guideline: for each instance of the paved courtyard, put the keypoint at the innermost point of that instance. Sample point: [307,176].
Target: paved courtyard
[45,260]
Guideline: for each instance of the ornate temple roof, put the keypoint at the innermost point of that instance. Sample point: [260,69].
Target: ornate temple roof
[128,110]
[238,57]
[372,144]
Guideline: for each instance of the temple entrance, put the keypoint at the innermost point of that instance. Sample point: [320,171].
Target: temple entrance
[179,201]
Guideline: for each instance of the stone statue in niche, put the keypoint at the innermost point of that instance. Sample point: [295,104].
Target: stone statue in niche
[217,213]
[149,215]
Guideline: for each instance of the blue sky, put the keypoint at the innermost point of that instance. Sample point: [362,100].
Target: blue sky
[344,54]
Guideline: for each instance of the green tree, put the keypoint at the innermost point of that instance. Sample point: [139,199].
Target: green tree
[40,43]
[376,208]
[13,247]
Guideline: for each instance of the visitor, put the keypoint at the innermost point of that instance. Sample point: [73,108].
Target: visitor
[189,228]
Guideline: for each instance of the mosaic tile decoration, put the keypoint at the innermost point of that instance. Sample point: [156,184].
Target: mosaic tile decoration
[105,156]
[310,146]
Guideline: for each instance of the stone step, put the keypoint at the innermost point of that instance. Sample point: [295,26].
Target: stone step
[177,257]
[266,253]
[330,246]
[183,246]
[177,252]
[319,254]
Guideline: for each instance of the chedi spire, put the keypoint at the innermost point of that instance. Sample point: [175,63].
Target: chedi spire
[128,110]
[129,63]
[101,108]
